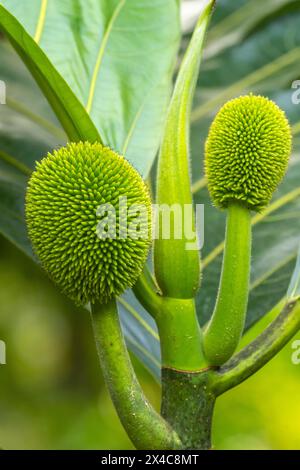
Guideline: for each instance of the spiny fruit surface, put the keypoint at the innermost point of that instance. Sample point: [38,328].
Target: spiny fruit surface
[247,152]
[62,201]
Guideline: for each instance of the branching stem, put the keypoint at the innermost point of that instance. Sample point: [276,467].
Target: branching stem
[255,355]
[145,427]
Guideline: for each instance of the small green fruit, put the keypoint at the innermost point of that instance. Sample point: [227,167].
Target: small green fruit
[63,197]
[247,152]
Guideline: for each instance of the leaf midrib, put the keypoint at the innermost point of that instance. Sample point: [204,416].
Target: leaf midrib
[41,21]
[12,161]
[100,55]
[255,77]
[275,268]
[277,204]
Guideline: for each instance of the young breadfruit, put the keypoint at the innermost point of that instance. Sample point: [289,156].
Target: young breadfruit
[63,199]
[247,152]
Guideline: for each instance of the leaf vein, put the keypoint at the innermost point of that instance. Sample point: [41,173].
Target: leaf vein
[41,21]
[101,54]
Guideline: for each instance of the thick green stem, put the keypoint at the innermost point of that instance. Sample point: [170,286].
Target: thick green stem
[188,404]
[145,427]
[255,355]
[224,331]
[180,335]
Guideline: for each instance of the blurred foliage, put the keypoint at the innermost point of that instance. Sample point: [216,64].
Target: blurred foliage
[49,393]
[52,394]
[51,390]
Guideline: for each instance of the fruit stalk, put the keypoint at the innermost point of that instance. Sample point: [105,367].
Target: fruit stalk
[246,157]
[225,328]
[145,427]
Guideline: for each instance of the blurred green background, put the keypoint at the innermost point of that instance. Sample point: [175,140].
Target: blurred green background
[52,394]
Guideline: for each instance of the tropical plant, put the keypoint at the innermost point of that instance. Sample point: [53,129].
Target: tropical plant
[107,76]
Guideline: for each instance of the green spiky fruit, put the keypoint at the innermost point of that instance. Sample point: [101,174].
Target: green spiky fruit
[63,199]
[247,152]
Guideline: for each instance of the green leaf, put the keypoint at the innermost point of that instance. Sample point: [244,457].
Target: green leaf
[117,57]
[241,20]
[29,128]
[12,215]
[276,233]
[140,332]
[294,286]
[251,65]
[68,109]
[132,90]
[26,135]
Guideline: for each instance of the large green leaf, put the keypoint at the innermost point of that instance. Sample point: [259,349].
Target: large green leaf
[12,214]
[137,46]
[263,58]
[29,128]
[117,57]
[238,19]
[27,132]
[276,233]
[131,112]
[140,332]
[67,107]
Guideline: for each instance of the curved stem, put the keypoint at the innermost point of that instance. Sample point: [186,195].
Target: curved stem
[147,293]
[224,331]
[145,427]
[254,356]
